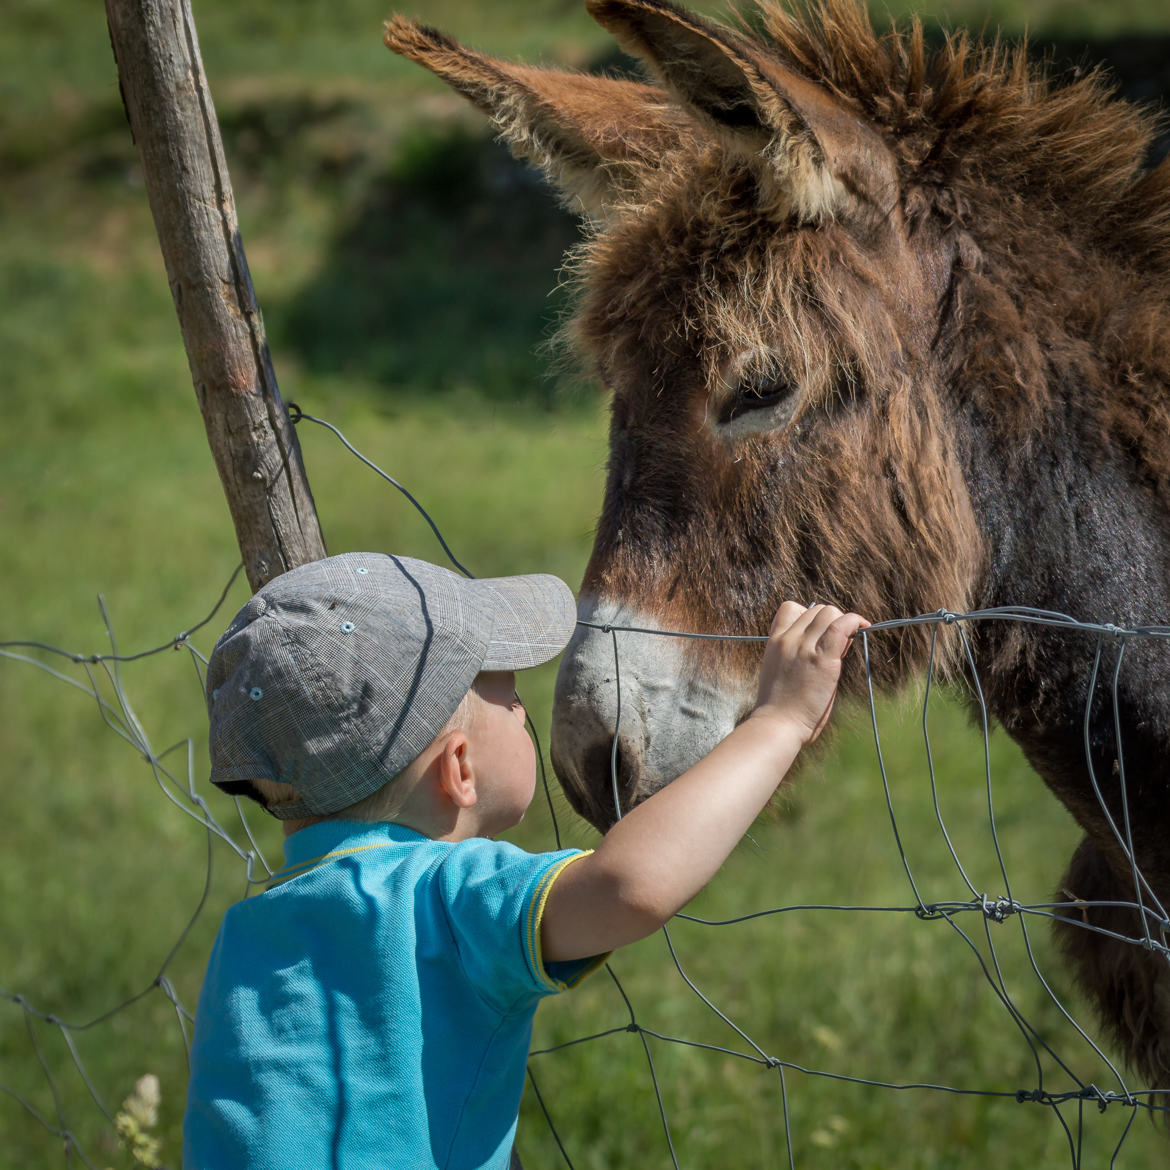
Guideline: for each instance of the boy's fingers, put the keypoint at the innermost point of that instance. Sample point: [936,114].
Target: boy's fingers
[788,613]
[809,620]
[829,628]
[837,635]
[819,619]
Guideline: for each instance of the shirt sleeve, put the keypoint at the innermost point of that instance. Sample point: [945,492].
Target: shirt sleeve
[494,895]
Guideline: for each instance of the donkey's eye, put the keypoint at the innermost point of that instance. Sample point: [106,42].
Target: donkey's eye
[756,393]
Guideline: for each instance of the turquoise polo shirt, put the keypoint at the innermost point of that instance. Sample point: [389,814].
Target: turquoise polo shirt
[373,1008]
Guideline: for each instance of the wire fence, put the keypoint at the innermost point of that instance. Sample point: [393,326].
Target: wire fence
[977,917]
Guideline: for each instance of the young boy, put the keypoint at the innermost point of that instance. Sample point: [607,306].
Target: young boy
[373,1008]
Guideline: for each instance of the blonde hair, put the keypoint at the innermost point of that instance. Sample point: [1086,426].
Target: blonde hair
[383,804]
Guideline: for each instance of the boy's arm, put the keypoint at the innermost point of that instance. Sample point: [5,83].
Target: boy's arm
[664,851]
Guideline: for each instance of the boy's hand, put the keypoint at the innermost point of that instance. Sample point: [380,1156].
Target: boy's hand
[802,663]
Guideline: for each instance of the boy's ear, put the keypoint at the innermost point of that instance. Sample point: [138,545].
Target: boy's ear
[456,778]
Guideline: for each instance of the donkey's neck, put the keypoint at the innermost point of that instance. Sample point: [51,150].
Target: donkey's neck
[1076,531]
[1071,524]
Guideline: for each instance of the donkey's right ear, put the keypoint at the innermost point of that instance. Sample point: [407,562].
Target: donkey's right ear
[593,137]
[823,158]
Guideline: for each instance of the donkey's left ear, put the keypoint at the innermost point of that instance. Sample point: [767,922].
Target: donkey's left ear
[823,158]
[594,137]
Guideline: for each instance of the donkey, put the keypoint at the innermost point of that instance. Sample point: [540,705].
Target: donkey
[882,325]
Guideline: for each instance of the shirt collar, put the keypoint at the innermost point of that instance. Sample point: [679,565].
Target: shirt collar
[317,841]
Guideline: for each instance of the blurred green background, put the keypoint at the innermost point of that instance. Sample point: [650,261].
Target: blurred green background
[408,273]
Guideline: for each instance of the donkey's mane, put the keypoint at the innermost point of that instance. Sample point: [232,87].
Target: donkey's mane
[971,111]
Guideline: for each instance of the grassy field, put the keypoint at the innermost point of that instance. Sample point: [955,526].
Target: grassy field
[381,224]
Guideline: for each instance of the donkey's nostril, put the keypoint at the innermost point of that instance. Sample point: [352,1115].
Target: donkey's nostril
[607,780]
[596,773]
[616,777]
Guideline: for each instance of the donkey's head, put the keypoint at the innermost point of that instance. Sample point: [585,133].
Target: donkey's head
[761,293]
[761,303]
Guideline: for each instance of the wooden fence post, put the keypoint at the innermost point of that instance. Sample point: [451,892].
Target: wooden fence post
[254,444]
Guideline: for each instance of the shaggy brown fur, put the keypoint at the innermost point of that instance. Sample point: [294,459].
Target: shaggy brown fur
[882,326]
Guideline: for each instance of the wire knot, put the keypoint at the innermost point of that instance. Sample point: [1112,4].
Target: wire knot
[999,909]
[1106,1097]
[927,913]
[295,414]
[948,618]
[1103,1099]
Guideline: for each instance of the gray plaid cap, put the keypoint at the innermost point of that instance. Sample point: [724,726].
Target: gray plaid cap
[337,674]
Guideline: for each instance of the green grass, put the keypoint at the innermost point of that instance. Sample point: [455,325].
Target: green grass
[379,237]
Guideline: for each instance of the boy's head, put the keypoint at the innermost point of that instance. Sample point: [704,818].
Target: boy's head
[336,675]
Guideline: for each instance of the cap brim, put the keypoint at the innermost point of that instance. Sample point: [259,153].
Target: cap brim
[534,618]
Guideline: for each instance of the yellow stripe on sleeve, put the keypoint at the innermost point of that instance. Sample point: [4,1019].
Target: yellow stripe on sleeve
[532,932]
